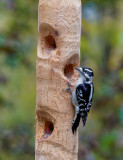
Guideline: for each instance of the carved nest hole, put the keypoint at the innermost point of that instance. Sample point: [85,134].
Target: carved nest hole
[69,70]
[50,43]
[48,129]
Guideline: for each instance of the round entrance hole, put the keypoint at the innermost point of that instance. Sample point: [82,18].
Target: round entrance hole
[69,70]
[48,129]
[50,43]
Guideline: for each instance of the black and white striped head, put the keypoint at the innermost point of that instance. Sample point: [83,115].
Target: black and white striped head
[86,72]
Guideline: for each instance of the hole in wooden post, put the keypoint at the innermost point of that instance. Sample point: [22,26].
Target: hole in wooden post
[70,66]
[50,43]
[48,129]
[69,70]
[47,41]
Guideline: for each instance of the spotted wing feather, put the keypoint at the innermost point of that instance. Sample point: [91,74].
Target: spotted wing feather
[84,94]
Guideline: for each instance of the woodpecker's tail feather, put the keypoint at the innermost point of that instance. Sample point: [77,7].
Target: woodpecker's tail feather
[76,123]
[84,118]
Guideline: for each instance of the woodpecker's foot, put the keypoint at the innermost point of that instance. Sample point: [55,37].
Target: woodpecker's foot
[68,89]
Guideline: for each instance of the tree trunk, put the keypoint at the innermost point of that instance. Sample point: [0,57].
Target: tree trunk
[58,54]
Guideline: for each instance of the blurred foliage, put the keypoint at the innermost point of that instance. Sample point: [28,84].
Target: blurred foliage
[18,43]
[101,50]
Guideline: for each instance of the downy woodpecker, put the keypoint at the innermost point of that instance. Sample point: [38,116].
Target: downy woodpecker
[82,95]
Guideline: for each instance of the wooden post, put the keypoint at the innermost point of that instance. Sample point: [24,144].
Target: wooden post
[58,54]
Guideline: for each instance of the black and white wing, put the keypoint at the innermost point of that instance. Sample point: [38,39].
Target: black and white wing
[84,97]
[81,103]
[81,96]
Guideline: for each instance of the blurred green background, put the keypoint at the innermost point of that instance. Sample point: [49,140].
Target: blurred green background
[101,50]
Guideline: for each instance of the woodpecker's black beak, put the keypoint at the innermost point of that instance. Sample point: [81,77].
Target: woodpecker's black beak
[77,69]
[80,71]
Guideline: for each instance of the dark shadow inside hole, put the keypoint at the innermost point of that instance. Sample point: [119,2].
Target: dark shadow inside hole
[69,70]
[50,43]
[48,129]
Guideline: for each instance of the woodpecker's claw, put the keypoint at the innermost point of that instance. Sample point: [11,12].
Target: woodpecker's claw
[68,89]
[68,84]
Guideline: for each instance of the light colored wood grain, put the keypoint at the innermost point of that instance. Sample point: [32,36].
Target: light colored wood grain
[58,54]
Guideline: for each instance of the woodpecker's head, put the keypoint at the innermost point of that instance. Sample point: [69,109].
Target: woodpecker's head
[86,72]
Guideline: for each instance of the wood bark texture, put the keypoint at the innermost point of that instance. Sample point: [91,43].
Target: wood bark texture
[58,54]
